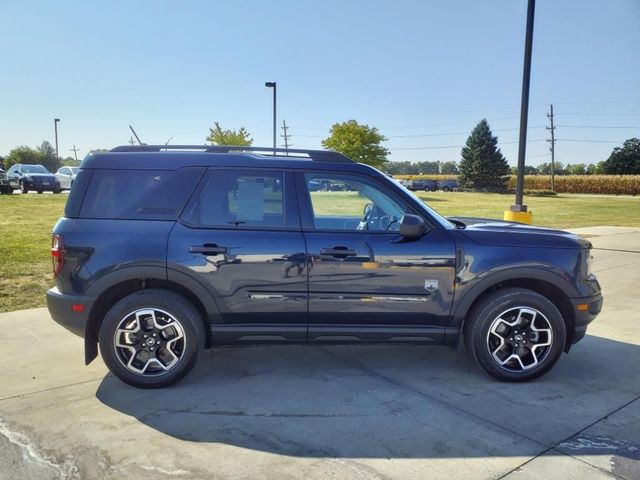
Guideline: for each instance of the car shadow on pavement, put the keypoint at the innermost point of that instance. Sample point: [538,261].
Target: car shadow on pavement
[396,402]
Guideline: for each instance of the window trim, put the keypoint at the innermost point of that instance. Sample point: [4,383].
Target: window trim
[305,205]
[290,206]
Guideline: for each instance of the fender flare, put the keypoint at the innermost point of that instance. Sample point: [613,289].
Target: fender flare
[144,272]
[488,280]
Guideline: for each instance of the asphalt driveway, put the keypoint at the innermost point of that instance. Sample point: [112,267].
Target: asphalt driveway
[332,412]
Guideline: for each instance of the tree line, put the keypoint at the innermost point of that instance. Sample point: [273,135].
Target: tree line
[481,167]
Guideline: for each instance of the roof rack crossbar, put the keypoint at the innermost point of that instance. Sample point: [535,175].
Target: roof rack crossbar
[315,155]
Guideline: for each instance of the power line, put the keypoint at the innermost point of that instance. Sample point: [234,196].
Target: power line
[600,126]
[458,146]
[405,127]
[583,140]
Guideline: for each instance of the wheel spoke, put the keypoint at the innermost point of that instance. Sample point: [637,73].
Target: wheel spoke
[519,338]
[149,341]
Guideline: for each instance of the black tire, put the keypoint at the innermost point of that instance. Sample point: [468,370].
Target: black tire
[506,304]
[24,188]
[186,319]
[39,192]
[57,190]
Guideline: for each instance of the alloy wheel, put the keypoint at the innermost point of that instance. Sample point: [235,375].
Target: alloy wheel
[149,341]
[520,339]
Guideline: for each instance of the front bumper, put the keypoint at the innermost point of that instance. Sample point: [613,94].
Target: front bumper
[42,187]
[584,316]
[59,305]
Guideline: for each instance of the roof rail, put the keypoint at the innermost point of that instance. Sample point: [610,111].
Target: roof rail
[315,155]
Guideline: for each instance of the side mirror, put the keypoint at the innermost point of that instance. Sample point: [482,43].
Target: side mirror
[412,226]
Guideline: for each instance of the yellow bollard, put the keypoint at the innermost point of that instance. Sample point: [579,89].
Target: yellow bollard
[522,217]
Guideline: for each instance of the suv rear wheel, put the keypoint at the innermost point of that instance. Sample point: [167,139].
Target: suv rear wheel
[151,338]
[515,334]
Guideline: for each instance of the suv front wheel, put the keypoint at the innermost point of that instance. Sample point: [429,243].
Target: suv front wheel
[515,334]
[151,338]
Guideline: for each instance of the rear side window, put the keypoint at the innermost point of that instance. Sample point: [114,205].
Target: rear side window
[139,194]
[241,199]
[72,208]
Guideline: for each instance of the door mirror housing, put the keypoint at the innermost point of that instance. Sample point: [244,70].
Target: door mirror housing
[412,226]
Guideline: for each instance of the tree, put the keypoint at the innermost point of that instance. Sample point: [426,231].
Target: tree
[625,160]
[575,169]
[69,162]
[24,155]
[449,168]
[545,168]
[48,156]
[483,167]
[358,142]
[218,136]
[528,170]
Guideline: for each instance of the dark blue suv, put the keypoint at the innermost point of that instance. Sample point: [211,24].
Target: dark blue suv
[164,251]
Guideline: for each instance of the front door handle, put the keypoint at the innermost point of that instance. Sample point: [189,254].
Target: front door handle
[338,252]
[208,249]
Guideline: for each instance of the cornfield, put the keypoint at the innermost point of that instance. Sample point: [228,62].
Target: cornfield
[607,184]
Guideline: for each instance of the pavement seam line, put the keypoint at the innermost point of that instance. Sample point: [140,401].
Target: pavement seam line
[49,389]
[554,447]
[435,399]
[615,250]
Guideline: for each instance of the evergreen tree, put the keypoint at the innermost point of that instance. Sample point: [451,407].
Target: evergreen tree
[483,167]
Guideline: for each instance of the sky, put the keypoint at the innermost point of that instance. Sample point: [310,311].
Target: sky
[422,72]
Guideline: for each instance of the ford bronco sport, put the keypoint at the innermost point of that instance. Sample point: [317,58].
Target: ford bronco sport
[166,250]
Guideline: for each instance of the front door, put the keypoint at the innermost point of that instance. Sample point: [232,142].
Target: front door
[366,282]
[240,237]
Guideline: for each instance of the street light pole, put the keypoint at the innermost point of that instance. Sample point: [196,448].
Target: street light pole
[273,85]
[55,127]
[518,212]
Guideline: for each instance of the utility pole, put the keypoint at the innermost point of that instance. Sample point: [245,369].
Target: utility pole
[75,152]
[518,212]
[553,149]
[286,136]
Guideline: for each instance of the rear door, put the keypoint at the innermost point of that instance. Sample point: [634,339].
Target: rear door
[240,237]
[366,282]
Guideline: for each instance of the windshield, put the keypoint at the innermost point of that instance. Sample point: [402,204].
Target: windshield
[34,169]
[75,170]
[438,218]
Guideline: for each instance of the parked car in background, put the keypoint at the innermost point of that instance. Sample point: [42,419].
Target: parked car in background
[424,184]
[66,176]
[32,177]
[4,183]
[448,185]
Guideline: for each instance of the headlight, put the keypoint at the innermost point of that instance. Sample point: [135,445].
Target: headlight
[588,262]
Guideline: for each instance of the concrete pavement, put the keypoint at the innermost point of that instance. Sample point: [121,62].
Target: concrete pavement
[331,412]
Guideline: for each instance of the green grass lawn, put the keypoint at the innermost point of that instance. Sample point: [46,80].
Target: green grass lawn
[26,222]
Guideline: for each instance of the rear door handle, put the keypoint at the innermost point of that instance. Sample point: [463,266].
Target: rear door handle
[338,252]
[207,249]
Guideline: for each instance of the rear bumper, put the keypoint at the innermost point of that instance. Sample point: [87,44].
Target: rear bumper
[59,305]
[585,317]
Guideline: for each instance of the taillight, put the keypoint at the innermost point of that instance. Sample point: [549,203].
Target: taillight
[57,253]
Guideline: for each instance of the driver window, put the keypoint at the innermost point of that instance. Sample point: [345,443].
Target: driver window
[349,202]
